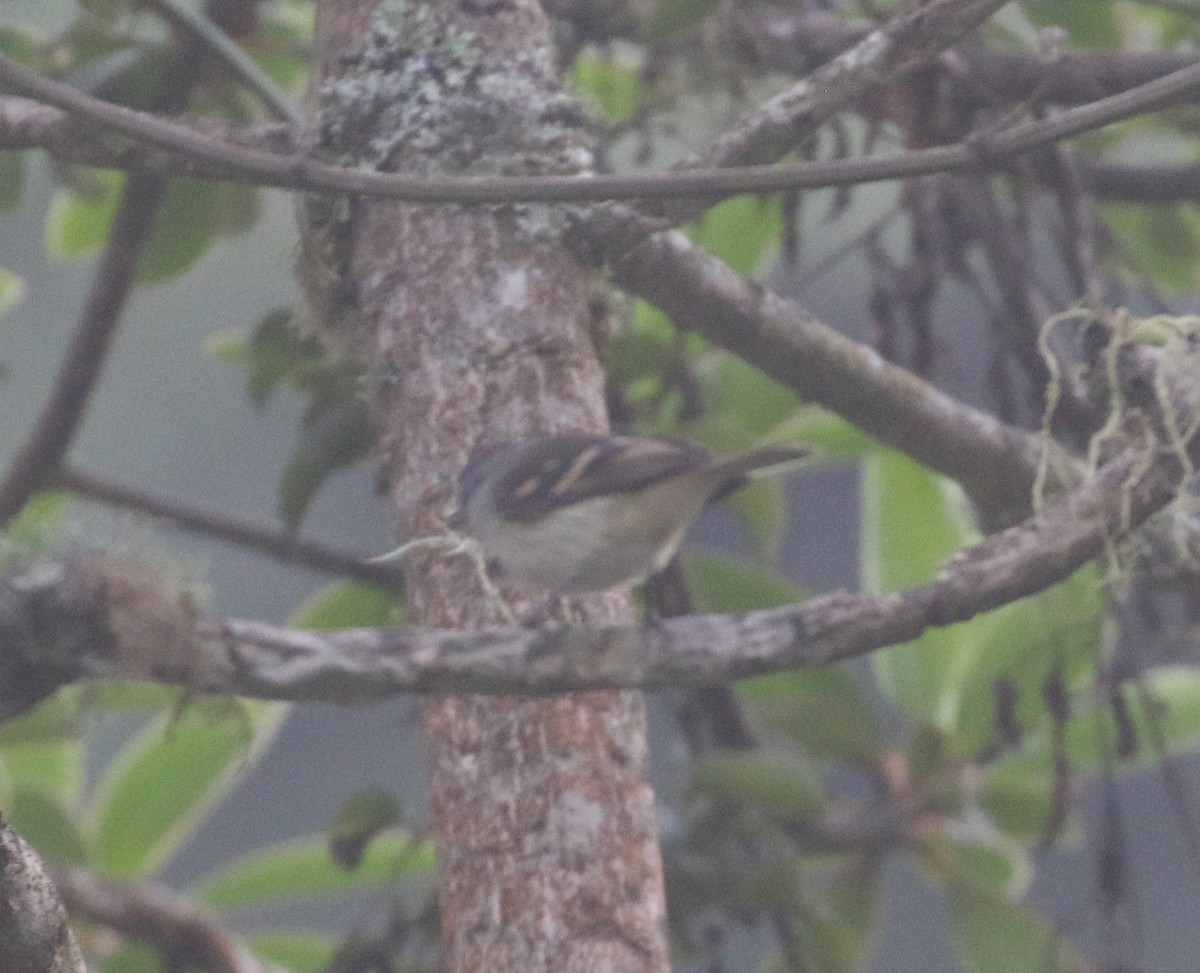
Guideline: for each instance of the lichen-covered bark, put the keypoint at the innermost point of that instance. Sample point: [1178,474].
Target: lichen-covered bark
[34,936]
[475,325]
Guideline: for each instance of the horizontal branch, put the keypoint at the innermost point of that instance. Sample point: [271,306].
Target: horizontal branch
[91,617]
[260,660]
[194,153]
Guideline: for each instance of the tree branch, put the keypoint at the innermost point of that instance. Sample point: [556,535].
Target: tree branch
[795,40]
[34,936]
[276,542]
[42,453]
[208,36]
[995,463]
[362,665]
[183,935]
[89,612]
[209,157]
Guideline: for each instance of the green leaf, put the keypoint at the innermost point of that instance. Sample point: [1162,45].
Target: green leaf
[296,951]
[77,224]
[999,866]
[721,583]
[779,784]
[131,697]
[912,520]
[1173,27]
[851,891]
[739,231]
[348,604]
[51,765]
[672,16]
[837,923]
[12,289]
[276,353]
[304,868]
[167,778]
[639,363]
[1164,241]
[24,44]
[742,405]
[771,883]
[12,180]
[282,43]
[51,723]
[238,207]
[762,508]
[192,215]
[1056,631]
[184,228]
[1173,695]
[359,821]
[38,523]
[1087,24]
[339,435]
[1022,804]
[825,711]
[132,957]
[616,88]
[832,437]
[46,825]
[995,934]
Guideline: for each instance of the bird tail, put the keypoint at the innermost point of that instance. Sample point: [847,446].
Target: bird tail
[763,460]
[740,468]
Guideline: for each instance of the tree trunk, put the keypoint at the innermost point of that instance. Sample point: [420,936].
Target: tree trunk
[475,326]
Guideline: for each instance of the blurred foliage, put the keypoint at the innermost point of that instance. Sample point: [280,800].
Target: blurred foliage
[335,430]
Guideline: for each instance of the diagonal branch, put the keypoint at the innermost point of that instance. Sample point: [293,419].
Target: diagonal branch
[208,36]
[995,463]
[795,39]
[42,453]
[273,541]
[183,935]
[909,41]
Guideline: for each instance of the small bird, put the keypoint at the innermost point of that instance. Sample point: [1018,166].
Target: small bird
[580,512]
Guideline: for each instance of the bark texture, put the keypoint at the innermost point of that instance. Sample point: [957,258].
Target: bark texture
[475,326]
[34,936]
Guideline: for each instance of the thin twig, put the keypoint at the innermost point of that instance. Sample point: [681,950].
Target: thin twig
[207,34]
[241,531]
[212,158]
[56,426]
